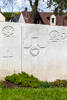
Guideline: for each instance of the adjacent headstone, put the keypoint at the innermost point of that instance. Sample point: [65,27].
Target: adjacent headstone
[10,48]
[53,20]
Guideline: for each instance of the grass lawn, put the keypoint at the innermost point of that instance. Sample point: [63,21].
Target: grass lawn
[33,94]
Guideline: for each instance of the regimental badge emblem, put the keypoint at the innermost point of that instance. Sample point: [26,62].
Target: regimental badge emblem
[8,31]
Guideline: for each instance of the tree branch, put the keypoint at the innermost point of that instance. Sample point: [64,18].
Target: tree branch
[36,3]
[30,2]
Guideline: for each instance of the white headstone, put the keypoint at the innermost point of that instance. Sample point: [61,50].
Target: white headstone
[10,48]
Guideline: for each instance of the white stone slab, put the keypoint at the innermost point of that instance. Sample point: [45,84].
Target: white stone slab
[44,51]
[40,50]
[10,48]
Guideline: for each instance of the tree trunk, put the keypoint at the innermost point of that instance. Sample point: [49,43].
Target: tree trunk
[34,13]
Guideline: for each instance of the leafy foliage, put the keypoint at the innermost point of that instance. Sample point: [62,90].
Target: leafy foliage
[45,84]
[24,80]
[8,15]
[1,84]
[60,5]
[59,83]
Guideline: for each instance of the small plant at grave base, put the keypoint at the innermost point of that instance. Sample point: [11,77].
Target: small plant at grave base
[45,84]
[59,83]
[24,80]
[1,85]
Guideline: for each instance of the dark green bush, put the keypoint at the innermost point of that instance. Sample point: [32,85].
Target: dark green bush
[24,80]
[45,84]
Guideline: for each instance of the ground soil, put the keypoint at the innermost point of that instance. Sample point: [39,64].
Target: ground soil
[10,85]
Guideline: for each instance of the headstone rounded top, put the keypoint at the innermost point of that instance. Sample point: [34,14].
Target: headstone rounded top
[53,20]
[53,16]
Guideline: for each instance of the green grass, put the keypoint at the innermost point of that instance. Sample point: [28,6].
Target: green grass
[33,94]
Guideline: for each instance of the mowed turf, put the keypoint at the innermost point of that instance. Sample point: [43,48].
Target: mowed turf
[33,94]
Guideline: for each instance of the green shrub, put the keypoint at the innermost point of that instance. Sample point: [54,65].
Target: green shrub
[1,85]
[24,80]
[45,84]
[59,83]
